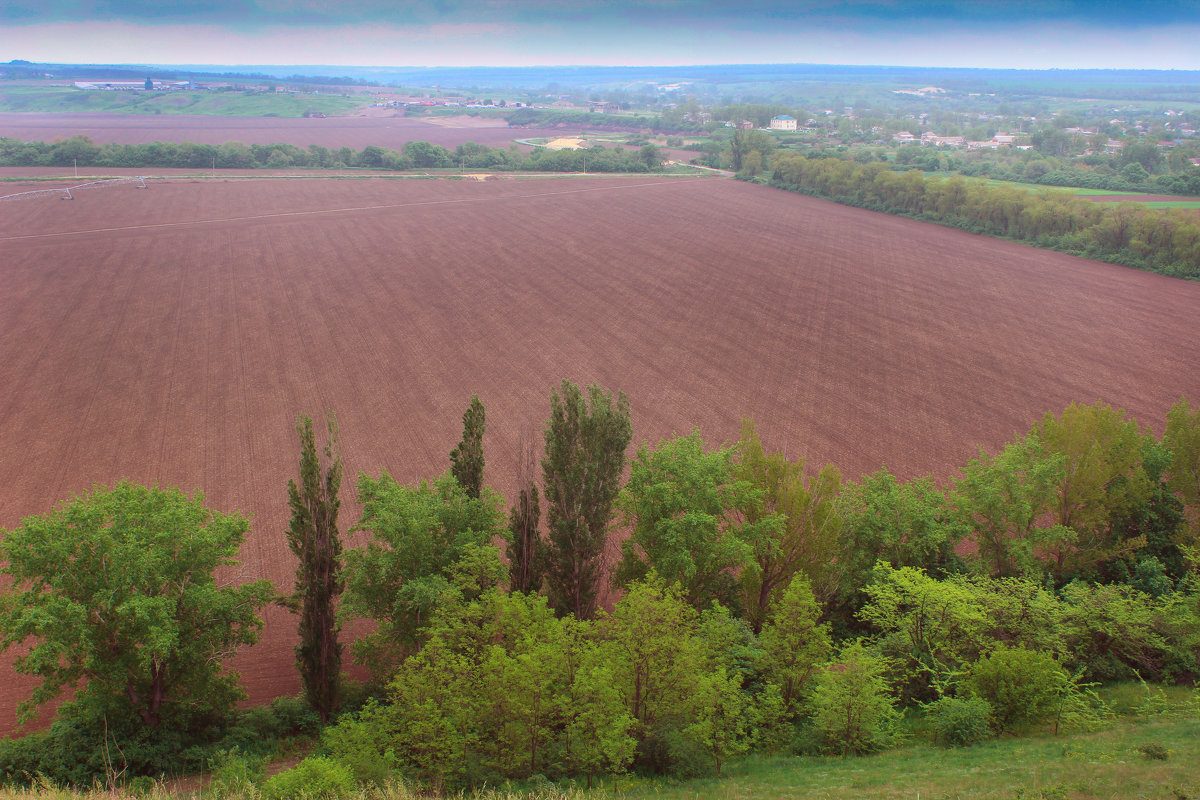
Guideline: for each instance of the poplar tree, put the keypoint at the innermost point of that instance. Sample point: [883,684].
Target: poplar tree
[526,552]
[466,460]
[585,456]
[313,537]
[525,549]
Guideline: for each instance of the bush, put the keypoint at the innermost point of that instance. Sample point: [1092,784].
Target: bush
[1154,751]
[1023,686]
[233,772]
[669,752]
[361,744]
[853,710]
[959,722]
[314,778]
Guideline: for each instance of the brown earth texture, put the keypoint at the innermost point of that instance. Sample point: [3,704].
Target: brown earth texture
[172,335]
[357,132]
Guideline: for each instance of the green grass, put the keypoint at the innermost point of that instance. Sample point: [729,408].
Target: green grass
[217,104]
[1172,204]
[1107,764]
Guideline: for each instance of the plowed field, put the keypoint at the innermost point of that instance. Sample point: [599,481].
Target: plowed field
[334,132]
[173,334]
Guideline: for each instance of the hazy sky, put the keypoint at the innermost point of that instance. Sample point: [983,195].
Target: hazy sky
[986,33]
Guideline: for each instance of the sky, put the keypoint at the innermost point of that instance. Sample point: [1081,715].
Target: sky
[1052,34]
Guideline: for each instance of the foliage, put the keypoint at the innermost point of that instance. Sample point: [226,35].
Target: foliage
[466,460]
[1182,438]
[794,645]
[116,588]
[1166,241]
[526,551]
[314,778]
[313,538]
[431,542]
[649,639]
[1115,632]
[360,743]
[581,471]
[959,721]
[1022,686]
[930,628]
[679,501]
[504,689]
[853,711]
[1004,498]
[1102,479]
[905,524]
[235,773]
[792,524]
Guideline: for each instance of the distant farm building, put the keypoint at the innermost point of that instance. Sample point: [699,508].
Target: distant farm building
[783,123]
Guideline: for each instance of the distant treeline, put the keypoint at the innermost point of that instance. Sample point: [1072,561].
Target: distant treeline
[1131,234]
[81,151]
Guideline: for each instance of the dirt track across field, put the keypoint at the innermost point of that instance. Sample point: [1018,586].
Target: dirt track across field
[172,335]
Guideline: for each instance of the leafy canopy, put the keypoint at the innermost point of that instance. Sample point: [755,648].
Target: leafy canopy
[116,588]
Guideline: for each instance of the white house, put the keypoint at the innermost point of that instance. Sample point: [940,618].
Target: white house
[783,123]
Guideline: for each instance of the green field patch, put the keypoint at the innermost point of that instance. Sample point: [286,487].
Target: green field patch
[1172,204]
[204,103]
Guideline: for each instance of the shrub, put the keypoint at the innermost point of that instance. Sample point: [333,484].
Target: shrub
[853,710]
[362,745]
[1021,685]
[959,721]
[1154,751]
[314,778]
[233,772]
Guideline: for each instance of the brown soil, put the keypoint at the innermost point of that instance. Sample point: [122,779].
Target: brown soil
[172,335]
[334,132]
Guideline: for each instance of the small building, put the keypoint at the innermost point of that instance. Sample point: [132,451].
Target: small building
[783,123]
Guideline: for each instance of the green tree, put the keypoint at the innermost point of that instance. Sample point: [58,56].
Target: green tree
[314,539]
[680,502]
[1004,500]
[794,644]
[431,544]
[650,156]
[905,524]
[466,460]
[1182,438]
[1102,480]
[930,628]
[746,141]
[650,641]
[791,523]
[853,710]
[581,471]
[526,551]
[114,591]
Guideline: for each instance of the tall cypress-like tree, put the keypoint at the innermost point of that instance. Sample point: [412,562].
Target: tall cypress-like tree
[526,552]
[581,473]
[466,460]
[313,537]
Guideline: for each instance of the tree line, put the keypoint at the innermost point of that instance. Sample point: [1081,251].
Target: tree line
[81,151]
[1131,234]
[763,603]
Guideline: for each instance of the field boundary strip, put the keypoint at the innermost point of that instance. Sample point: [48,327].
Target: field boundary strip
[315,212]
